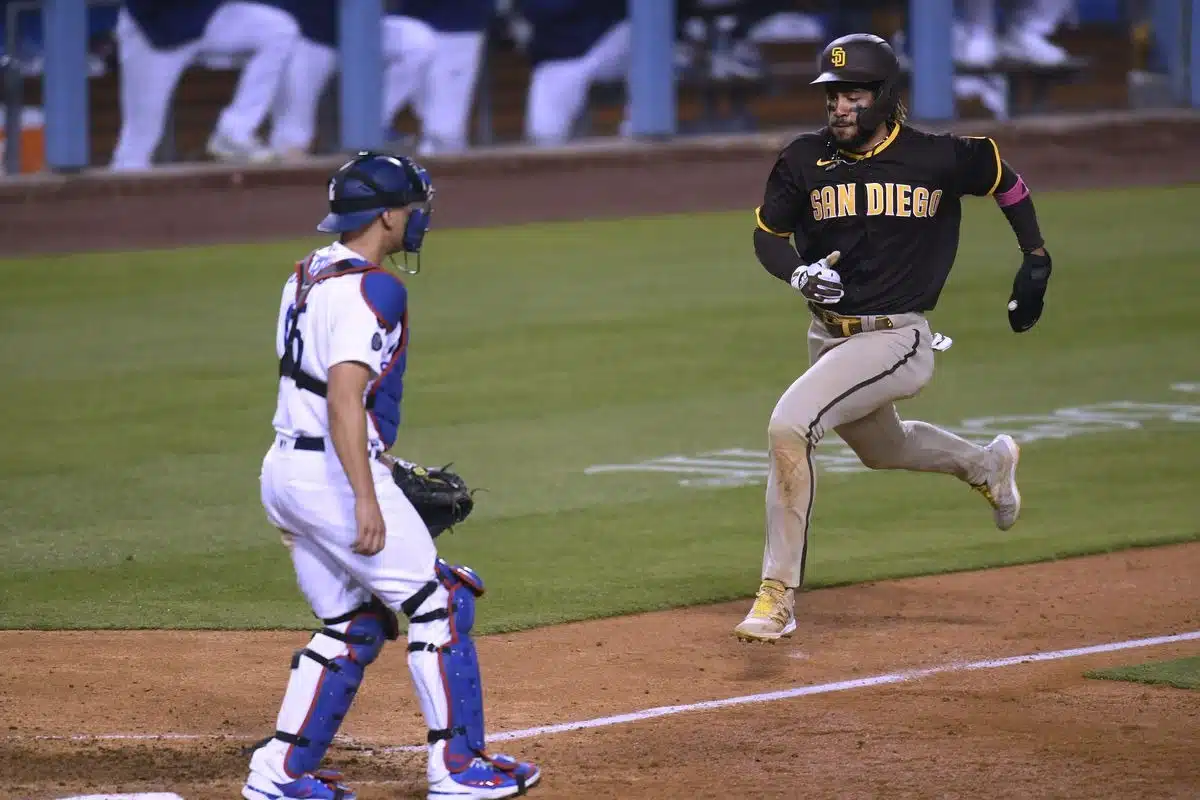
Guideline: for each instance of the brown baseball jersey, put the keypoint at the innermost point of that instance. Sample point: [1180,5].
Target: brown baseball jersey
[894,212]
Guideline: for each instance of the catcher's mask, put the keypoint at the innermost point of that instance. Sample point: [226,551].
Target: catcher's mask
[863,60]
[371,183]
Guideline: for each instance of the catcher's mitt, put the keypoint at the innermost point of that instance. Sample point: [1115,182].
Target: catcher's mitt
[440,496]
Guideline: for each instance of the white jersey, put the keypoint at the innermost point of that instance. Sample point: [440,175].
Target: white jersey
[359,316]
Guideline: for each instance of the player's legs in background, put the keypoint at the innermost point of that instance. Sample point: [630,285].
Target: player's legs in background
[294,108]
[883,441]
[443,101]
[608,61]
[408,48]
[1030,25]
[148,80]
[558,90]
[266,36]
[975,33]
[849,378]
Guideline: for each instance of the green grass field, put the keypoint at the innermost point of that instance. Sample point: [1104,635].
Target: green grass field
[1181,673]
[139,388]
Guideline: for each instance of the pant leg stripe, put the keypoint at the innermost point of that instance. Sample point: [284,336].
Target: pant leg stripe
[864,384]
[808,451]
[812,496]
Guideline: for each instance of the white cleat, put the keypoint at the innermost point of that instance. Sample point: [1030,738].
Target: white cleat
[1030,48]
[1000,488]
[223,148]
[773,615]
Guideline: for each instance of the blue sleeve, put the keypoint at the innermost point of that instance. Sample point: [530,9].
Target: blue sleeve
[387,296]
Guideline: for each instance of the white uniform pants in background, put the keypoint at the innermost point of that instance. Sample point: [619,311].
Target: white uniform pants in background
[558,89]
[408,47]
[149,76]
[444,100]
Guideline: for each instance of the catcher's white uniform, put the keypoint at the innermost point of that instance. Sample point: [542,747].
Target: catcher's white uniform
[352,313]
[339,308]
[306,492]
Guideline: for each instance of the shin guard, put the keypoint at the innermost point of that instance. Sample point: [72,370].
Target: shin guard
[325,678]
[454,666]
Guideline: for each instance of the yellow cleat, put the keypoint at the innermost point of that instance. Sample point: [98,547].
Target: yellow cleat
[773,615]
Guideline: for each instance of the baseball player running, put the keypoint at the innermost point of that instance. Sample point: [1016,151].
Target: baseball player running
[874,207]
[361,551]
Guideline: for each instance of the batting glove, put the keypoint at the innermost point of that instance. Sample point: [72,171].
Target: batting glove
[819,282]
[1027,300]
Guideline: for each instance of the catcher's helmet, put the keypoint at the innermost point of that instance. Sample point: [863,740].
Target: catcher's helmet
[369,184]
[864,59]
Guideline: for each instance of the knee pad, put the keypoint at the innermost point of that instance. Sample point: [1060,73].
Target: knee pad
[457,667]
[340,651]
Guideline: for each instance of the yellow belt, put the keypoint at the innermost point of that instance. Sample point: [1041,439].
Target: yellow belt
[843,326]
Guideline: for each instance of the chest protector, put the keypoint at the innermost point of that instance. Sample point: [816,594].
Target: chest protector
[383,397]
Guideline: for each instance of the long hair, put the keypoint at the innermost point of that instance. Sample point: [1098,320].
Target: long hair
[899,113]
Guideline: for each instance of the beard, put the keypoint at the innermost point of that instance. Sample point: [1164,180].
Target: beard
[851,137]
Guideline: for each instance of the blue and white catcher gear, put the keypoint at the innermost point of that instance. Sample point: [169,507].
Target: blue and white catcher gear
[368,184]
[445,669]
[325,678]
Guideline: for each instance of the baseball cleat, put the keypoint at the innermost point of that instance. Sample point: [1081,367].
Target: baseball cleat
[487,779]
[773,615]
[1000,488]
[321,785]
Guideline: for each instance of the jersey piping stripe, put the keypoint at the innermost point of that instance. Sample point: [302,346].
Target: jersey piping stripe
[879,148]
[999,166]
[763,226]
[999,163]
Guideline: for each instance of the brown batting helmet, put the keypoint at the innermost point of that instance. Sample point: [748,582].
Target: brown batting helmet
[863,59]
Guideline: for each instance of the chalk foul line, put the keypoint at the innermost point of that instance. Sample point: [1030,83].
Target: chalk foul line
[902,676]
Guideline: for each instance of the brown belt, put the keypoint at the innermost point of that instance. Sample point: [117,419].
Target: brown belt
[843,326]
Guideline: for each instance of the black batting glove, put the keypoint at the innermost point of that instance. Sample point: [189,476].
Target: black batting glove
[1028,292]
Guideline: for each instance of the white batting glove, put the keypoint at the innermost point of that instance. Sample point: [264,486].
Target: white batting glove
[819,282]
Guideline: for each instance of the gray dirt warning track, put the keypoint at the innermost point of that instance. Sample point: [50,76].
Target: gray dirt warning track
[181,206]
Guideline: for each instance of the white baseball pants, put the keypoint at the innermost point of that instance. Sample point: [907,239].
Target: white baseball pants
[444,100]
[408,48]
[558,89]
[263,34]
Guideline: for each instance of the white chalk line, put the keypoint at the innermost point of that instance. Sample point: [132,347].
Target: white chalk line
[903,676]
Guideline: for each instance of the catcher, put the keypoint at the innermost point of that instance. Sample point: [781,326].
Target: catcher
[360,524]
